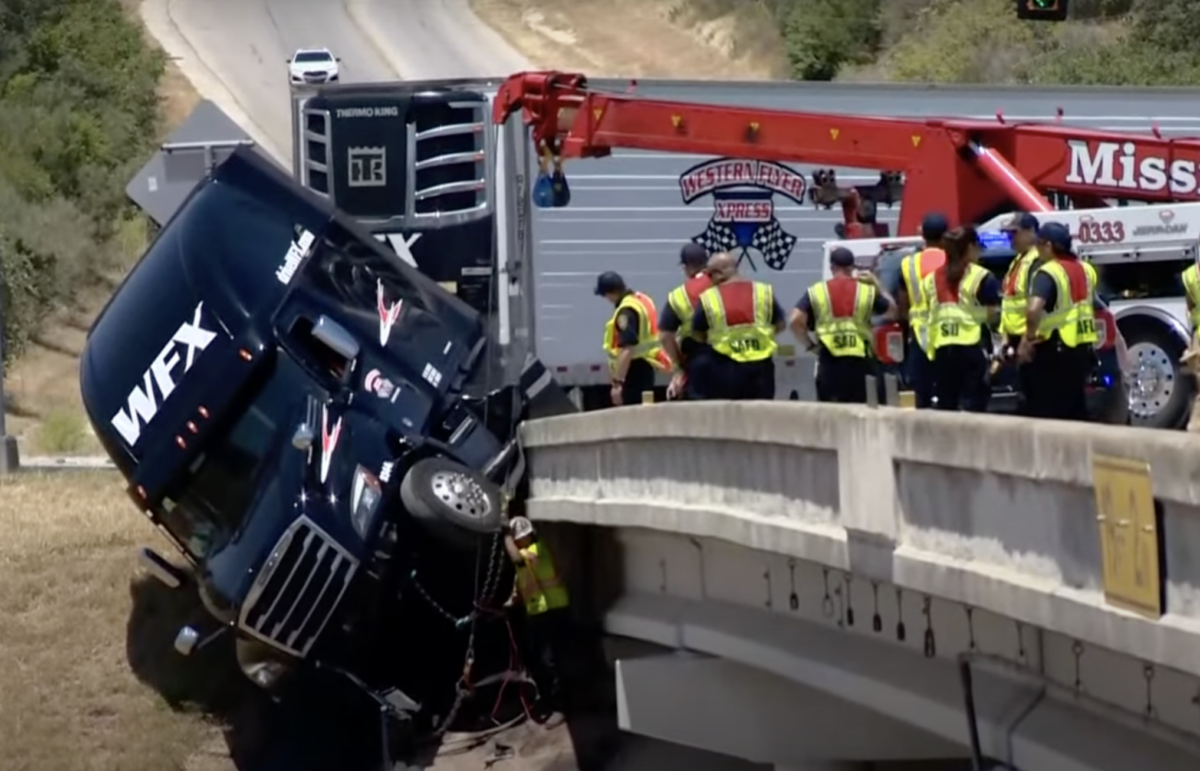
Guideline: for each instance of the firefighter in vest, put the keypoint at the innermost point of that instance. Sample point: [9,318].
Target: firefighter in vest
[1023,229]
[739,319]
[964,301]
[1191,357]
[913,306]
[1191,291]
[631,340]
[840,311]
[687,354]
[1060,328]
[548,622]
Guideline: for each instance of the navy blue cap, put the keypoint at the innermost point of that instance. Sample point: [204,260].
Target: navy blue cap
[842,257]
[1056,234]
[934,226]
[693,254]
[609,281]
[1022,220]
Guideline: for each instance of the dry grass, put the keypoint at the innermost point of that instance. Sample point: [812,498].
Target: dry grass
[89,679]
[71,700]
[700,39]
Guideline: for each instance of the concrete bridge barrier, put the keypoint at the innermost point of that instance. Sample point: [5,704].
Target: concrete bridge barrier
[1090,531]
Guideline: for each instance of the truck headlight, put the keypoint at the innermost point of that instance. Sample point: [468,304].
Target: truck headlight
[265,666]
[366,492]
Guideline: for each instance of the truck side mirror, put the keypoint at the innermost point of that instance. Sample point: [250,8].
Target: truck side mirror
[336,338]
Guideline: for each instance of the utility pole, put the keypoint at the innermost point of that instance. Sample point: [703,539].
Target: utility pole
[9,459]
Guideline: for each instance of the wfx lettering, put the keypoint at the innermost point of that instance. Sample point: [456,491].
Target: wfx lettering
[143,402]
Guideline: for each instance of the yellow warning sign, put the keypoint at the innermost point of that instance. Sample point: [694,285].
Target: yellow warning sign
[1129,534]
[597,112]
[754,126]
[916,138]
[833,134]
[676,120]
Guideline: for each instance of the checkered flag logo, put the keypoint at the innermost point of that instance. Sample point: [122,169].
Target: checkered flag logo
[770,239]
[717,237]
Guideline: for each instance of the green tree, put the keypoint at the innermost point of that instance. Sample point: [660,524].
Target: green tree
[821,36]
[78,114]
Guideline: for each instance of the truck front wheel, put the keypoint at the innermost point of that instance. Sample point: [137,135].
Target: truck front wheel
[1160,392]
[459,506]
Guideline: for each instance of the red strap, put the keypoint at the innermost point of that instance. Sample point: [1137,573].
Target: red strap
[931,260]
[695,286]
[1077,277]
[945,292]
[842,292]
[737,297]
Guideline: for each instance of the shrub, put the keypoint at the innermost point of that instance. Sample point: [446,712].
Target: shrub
[62,432]
[78,114]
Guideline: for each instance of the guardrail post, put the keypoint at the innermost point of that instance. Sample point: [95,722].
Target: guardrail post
[891,390]
[9,459]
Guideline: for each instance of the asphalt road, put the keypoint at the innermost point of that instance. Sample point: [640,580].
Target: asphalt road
[235,51]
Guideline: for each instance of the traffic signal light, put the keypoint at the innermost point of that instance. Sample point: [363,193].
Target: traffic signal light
[1042,10]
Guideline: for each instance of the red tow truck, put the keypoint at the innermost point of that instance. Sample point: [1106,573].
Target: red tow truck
[971,170]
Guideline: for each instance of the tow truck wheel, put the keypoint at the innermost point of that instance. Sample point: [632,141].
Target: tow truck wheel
[1160,392]
[459,506]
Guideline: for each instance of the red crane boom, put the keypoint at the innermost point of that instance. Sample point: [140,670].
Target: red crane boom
[966,169]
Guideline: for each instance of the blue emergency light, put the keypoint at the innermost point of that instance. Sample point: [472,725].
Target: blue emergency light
[995,240]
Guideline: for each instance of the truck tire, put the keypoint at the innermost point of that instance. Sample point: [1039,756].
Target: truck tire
[1161,392]
[458,506]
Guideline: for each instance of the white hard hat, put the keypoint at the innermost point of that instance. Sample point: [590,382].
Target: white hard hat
[521,527]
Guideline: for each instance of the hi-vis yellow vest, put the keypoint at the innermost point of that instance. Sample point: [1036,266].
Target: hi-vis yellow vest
[1016,293]
[538,581]
[746,342]
[914,269]
[956,322]
[648,345]
[1191,286]
[844,335]
[1074,320]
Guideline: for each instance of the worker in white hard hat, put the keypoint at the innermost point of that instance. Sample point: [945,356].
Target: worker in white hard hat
[549,626]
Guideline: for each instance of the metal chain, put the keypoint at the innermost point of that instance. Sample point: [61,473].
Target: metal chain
[463,688]
[487,593]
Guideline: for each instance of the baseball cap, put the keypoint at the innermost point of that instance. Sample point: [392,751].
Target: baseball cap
[1056,234]
[693,254]
[1022,220]
[842,257]
[934,226]
[609,281]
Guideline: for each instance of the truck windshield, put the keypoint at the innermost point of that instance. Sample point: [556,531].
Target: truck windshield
[208,506]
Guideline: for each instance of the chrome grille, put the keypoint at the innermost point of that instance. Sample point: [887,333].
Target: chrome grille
[450,145]
[298,589]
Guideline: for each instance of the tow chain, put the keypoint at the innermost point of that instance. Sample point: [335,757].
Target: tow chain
[488,590]
[463,687]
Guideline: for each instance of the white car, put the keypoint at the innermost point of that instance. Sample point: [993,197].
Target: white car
[312,66]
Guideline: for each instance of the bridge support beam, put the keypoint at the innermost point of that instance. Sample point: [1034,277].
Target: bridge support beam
[1019,724]
[732,709]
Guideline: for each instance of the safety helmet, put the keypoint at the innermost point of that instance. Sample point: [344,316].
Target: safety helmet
[521,527]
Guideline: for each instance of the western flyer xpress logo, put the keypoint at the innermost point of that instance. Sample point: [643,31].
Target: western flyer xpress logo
[743,220]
